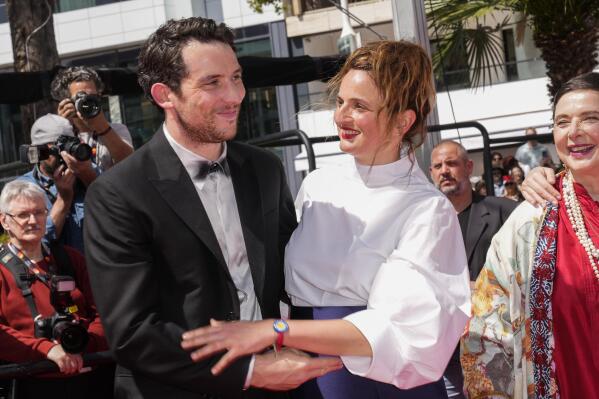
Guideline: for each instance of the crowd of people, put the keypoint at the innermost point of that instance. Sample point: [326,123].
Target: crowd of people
[509,172]
[177,257]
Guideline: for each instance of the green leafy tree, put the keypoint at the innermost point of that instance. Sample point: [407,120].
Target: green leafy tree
[565,31]
[258,5]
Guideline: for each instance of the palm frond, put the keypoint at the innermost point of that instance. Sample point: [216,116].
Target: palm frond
[485,54]
[450,12]
[483,45]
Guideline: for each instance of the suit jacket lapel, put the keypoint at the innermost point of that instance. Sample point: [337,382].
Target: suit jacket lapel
[477,223]
[249,205]
[174,185]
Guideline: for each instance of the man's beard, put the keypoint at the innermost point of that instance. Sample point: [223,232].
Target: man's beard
[206,132]
[48,166]
[454,189]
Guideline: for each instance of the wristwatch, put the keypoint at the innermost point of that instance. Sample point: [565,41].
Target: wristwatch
[281,327]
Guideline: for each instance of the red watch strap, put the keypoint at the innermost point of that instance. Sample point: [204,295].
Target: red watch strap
[279,342]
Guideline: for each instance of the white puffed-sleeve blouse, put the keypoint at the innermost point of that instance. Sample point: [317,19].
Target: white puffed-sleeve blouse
[383,237]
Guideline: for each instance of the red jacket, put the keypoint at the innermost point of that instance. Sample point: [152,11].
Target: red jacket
[17,340]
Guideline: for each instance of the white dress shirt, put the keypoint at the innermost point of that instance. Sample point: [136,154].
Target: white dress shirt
[218,197]
[383,237]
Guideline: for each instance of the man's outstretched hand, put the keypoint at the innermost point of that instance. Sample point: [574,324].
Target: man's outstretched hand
[289,368]
[538,188]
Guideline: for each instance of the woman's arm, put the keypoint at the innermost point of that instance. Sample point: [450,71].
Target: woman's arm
[417,309]
[327,337]
[419,301]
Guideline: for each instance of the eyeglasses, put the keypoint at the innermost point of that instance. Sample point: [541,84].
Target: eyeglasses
[23,217]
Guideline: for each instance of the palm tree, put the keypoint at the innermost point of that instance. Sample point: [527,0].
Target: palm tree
[34,49]
[566,32]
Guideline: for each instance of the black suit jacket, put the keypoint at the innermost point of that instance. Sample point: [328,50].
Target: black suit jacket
[487,215]
[157,270]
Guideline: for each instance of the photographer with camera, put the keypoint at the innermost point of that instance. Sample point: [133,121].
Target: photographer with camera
[46,306]
[63,169]
[78,90]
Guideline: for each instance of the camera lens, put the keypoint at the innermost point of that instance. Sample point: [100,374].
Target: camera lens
[88,105]
[81,152]
[72,337]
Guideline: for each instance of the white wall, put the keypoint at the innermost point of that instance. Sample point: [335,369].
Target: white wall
[502,107]
[237,14]
[107,26]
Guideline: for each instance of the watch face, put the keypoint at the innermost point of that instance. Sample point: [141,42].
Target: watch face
[280,326]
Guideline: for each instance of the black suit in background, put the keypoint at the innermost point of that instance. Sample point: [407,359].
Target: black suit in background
[487,215]
[157,269]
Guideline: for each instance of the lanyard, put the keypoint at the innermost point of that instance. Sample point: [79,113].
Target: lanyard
[44,186]
[32,266]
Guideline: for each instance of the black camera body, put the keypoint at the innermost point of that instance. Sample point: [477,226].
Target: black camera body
[73,146]
[62,326]
[32,154]
[88,105]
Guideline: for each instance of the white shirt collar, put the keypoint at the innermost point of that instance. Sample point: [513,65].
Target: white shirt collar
[381,175]
[190,160]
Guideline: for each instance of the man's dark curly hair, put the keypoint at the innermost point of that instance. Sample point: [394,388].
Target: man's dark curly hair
[160,59]
[59,88]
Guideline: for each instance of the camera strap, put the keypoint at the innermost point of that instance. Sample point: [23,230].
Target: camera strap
[25,271]
[21,274]
[44,185]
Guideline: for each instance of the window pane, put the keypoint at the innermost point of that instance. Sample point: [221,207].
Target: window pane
[454,73]
[509,51]
[3,15]
[70,5]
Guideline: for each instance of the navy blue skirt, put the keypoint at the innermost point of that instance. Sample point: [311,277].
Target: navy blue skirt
[341,384]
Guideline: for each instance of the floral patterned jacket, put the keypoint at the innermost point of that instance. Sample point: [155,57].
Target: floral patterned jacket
[507,346]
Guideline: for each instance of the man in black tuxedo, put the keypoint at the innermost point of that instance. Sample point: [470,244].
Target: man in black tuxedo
[190,228]
[480,218]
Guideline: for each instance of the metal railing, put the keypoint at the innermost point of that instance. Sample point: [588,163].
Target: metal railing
[298,137]
[19,370]
[283,139]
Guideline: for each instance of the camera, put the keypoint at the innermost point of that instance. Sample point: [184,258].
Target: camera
[62,326]
[33,154]
[88,105]
[73,146]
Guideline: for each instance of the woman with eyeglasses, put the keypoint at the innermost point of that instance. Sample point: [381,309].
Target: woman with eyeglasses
[535,307]
[36,282]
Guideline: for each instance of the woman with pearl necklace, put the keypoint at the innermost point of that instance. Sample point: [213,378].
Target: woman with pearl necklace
[536,303]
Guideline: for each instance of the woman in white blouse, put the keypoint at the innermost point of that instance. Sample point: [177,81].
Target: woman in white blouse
[377,261]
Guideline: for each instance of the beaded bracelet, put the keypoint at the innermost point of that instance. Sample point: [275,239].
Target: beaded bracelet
[103,132]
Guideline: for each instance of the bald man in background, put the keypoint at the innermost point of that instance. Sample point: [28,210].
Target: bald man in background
[480,218]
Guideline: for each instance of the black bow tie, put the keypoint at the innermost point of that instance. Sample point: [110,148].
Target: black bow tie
[209,167]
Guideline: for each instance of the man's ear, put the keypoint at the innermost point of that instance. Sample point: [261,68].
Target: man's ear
[3,222]
[469,166]
[161,94]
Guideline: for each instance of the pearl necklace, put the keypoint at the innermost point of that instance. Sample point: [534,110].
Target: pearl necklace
[575,215]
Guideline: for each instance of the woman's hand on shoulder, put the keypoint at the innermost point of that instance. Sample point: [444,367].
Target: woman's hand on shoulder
[68,363]
[538,188]
[236,338]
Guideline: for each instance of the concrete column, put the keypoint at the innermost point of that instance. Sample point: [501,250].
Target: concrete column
[409,23]
[286,105]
